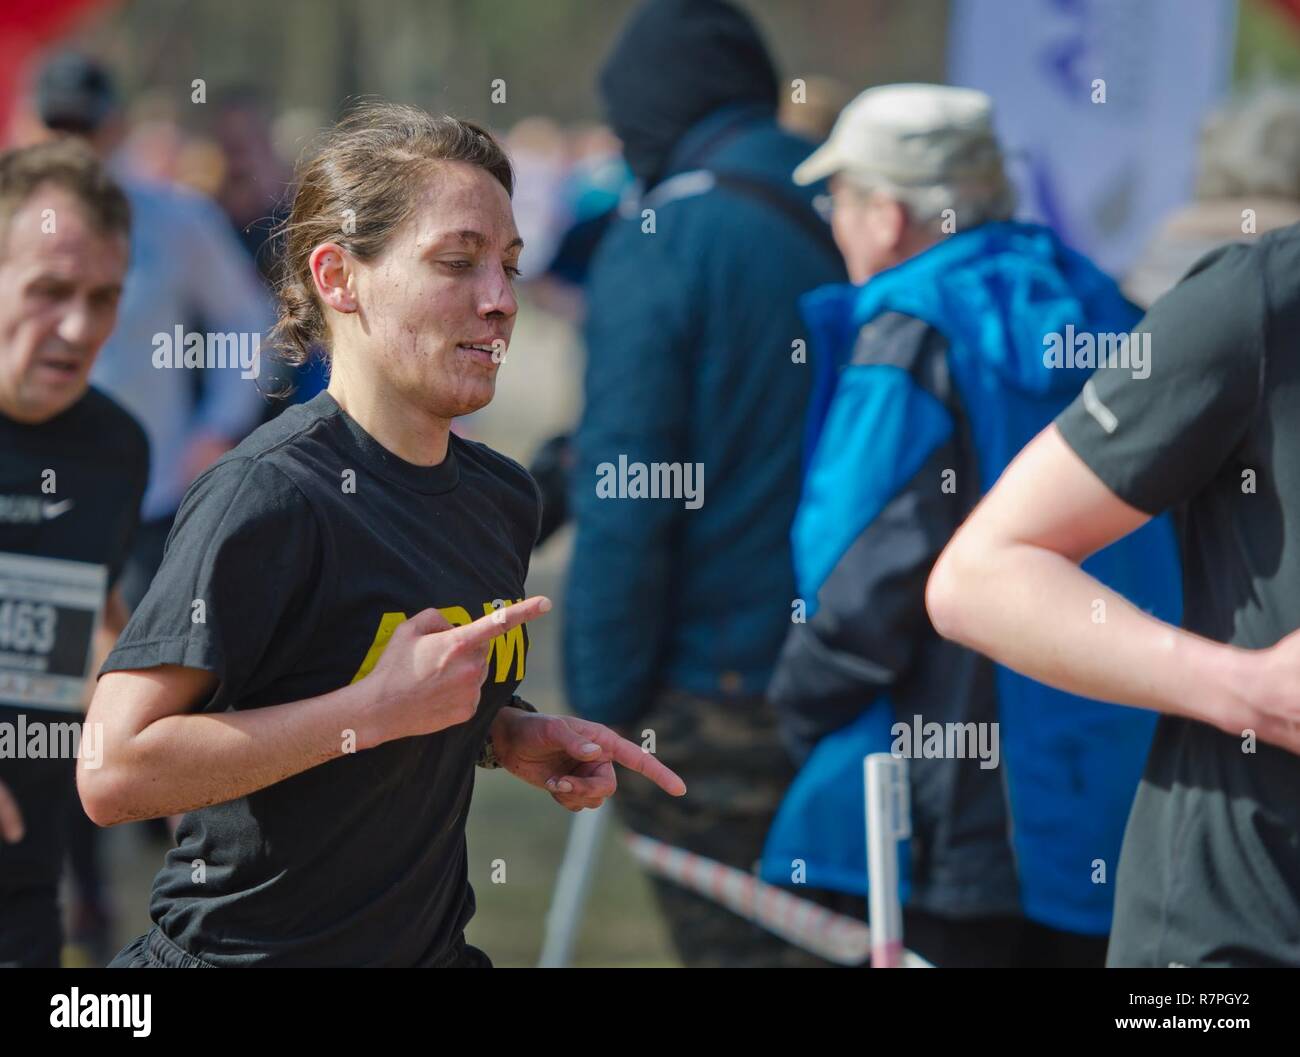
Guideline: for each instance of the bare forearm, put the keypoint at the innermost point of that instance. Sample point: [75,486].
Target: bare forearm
[105,638]
[182,762]
[1039,613]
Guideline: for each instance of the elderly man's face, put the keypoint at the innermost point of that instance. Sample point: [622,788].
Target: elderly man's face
[60,280]
[870,228]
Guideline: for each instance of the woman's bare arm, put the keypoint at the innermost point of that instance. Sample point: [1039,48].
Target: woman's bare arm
[160,757]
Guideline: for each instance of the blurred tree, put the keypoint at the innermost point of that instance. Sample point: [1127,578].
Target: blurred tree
[1268,39]
[444,54]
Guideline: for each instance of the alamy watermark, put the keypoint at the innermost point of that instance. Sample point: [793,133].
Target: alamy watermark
[91,1010]
[947,741]
[44,739]
[1084,348]
[656,480]
[194,349]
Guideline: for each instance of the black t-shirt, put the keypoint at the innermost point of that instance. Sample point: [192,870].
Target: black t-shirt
[291,562]
[70,491]
[1210,871]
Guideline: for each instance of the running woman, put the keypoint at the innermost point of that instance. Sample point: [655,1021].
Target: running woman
[1209,874]
[335,635]
[73,467]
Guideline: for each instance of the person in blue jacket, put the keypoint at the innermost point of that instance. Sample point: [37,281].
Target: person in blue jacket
[966,334]
[686,460]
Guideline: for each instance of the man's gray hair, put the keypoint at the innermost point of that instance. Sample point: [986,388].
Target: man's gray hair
[983,196]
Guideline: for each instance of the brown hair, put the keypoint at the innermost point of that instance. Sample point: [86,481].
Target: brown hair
[69,164]
[357,189]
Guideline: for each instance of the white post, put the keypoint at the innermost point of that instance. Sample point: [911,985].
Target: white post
[572,885]
[888,822]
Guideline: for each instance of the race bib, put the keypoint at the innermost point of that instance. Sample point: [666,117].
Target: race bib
[49,610]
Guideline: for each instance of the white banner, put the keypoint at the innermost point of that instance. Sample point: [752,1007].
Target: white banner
[1100,103]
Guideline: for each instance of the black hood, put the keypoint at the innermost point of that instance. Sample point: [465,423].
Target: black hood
[675,62]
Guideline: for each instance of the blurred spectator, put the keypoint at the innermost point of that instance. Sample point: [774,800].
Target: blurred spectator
[537,149]
[254,193]
[255,181]
[150,142]
[1249,161]
[677,606]
[72,471]
[813,115]
[596,182]
[187,271]
[931,375]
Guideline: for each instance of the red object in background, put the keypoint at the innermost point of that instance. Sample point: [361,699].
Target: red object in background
[1291,8]
[27,27]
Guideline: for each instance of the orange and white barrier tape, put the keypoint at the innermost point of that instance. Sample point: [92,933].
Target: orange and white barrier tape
[835,937]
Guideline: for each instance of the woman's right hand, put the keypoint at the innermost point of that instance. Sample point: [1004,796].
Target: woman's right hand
[1268,703]
[431,673]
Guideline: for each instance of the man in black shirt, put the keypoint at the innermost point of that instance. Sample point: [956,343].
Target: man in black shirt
[335,635]
[1210,869]
[73,467]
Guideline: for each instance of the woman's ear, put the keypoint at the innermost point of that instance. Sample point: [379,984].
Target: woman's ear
[331,270]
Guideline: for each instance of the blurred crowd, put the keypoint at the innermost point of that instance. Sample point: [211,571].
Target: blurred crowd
[679,621]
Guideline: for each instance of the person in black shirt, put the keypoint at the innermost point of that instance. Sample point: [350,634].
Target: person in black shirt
[73,467]
[1209,427]
[335,636]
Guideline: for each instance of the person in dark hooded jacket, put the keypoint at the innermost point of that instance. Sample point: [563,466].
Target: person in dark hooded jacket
[696,376]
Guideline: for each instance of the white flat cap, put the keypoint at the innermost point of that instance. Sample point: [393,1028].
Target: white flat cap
[909,134]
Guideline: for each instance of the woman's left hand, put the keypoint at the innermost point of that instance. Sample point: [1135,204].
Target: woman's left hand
[572,759]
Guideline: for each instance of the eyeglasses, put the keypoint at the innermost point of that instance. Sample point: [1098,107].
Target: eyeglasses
[826,204]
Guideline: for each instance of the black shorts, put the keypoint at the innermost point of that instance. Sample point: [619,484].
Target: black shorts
[153,950]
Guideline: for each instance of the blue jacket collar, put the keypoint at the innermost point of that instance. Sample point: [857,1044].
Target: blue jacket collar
[995,291]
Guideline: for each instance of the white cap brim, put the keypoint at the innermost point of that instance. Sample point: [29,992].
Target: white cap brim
[821,163]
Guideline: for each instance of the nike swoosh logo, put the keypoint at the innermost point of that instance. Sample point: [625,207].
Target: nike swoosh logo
[1092,404]
[50,511]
